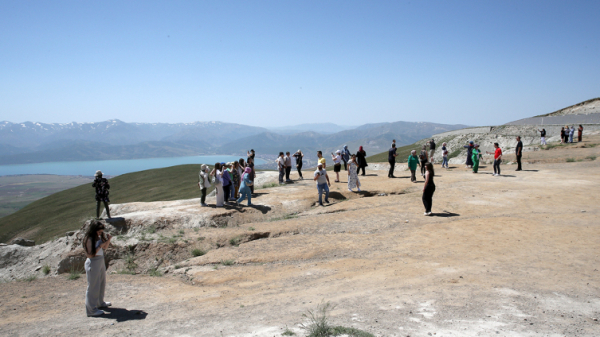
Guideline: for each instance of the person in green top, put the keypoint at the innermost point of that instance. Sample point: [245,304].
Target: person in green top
[413,161]
[475,158]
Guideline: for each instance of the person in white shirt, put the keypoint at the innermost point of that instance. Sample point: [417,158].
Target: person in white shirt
[203,183]
[337,164]
[95,243]
[218,180]
[280,166]
[323,183]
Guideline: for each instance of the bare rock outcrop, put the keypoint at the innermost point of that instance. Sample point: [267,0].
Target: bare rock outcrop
[23,242]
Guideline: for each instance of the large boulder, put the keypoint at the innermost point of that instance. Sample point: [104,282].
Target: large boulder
[23,242]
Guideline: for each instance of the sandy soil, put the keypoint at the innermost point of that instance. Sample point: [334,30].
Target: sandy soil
[516,255]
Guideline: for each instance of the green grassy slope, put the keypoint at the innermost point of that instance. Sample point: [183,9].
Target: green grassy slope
[67,210]
[403,152]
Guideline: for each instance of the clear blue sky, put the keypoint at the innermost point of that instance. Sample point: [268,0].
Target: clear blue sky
[290,62]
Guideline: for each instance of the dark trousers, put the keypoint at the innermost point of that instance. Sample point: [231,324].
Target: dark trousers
[392,166]
[288,170]
[105,207]
[519,162]
[497,165]
[203,197]
[413,177]
[358,170]
[281,174]
[423,169]
[345,165]
[428,197]
[299,168]
[227,192]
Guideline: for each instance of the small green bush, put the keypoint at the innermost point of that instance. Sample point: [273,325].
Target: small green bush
[591,158]
[46,269]
[155,272]
[198,252]
[570,160]
[30,278]
[74,275]
[235,241]
[227,262]
[125,272]
[130,262]
[288,332]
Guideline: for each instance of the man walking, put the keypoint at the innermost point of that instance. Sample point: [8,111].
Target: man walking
[288,167]
[431,150]
[519,153]
[323,183]
[497,159]
[392,160]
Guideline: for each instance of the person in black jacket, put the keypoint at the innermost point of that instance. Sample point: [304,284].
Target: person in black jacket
[361,158]
[101,185]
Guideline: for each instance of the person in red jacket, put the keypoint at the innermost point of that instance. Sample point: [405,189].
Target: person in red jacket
[497,158]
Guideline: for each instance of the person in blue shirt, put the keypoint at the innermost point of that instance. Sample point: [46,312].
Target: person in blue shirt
[245,186]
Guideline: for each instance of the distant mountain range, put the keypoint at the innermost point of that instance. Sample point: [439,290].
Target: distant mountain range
[38,142]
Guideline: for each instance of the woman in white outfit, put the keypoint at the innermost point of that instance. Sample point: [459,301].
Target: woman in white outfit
[95,243]
[218,176]
[353,181]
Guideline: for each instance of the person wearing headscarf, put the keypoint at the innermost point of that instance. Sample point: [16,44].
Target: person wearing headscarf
[571,133]
[345,156]
[353,181]
[245,186]
[413,161]
[469,148]
[361,158]
[226,181]
[579,133]
[203,183]
[299,155]
[475,157]
[101,185]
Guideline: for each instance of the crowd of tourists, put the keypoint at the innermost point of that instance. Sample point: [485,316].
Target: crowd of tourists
[234,182]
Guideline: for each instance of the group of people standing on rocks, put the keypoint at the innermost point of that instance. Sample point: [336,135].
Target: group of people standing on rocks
[233,181]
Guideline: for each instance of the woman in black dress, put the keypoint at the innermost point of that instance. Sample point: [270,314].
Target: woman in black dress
[470,148]
[428,188]
[361,158]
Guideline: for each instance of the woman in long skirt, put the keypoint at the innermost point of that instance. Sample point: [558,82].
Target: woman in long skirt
[428,188]
[216,173]
[95,243]
[353,181]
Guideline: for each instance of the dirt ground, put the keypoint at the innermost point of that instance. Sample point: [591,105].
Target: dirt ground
[516,255]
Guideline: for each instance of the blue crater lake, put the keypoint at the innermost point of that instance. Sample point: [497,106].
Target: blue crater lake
[112,167]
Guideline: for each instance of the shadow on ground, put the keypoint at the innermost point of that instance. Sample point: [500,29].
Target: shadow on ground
[445,214]
[122,315]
